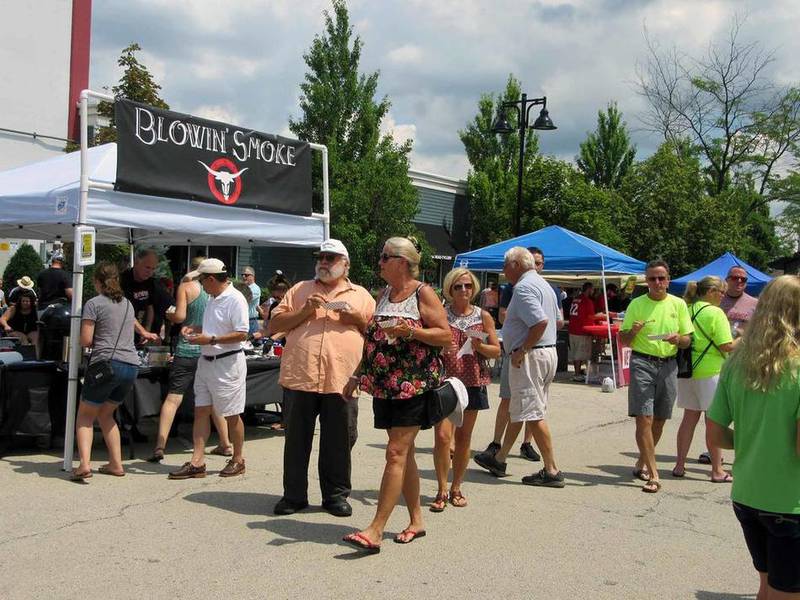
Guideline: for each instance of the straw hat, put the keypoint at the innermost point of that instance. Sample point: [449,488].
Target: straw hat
[25,282]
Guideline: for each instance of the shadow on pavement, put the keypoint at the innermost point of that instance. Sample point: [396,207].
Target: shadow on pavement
[42,469]
[243,503]
[704,595]
[292,531]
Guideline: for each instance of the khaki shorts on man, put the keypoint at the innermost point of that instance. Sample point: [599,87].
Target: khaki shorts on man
[530,384]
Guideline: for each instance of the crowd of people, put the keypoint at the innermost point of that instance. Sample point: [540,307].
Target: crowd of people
[408,344]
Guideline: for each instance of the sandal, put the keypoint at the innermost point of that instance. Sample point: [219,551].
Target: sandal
[106,470]
[726,479]
[158,456]
[362,542]
[676,472]
[458,499]
[439,503]
[222,451]
[80,476]
[642,474]
[398,539]
[652,486]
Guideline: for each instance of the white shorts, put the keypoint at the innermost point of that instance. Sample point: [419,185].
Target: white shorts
[580,347]
[221,383]
[530,384]
[697,394]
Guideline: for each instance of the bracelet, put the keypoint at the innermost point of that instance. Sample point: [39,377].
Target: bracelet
[213,340]
[410,335]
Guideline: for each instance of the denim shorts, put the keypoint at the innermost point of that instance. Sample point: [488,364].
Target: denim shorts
[773,540]
[115,389]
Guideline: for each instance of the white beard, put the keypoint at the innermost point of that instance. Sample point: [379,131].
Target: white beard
[328,275]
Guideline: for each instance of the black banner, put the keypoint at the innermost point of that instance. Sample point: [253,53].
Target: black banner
[164,153]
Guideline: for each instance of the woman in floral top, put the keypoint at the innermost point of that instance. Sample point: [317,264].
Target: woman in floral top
[401,363]
[460,289]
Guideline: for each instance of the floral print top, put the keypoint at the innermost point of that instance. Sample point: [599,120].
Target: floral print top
[471,369]
[397,368]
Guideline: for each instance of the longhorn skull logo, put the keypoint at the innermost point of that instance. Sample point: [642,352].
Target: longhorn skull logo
[225,178]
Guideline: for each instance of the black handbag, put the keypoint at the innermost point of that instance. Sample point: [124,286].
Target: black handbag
[441,401]
[684,357]
[101,371]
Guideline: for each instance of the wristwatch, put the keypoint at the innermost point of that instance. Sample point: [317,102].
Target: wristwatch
[213,340]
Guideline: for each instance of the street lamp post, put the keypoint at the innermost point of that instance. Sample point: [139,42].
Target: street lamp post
[502,126]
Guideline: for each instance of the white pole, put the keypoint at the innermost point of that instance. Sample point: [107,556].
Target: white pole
[326,197]
[608,321]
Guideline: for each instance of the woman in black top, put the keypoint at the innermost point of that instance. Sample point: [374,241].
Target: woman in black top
[20,320]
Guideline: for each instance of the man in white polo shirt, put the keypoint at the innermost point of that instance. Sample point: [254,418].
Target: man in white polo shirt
[222,371]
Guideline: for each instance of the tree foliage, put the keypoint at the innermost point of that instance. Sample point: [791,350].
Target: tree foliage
[607,153]
[25,261]
[136,83]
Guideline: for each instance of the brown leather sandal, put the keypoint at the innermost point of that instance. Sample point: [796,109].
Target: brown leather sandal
[458,499]
[439,503]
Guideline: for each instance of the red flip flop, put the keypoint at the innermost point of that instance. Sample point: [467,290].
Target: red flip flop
[414,535]
[360,541]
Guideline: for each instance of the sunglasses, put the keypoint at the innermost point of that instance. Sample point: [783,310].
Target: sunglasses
[385,257]
[462,286]
[737,278]
[657,278]
[325,257]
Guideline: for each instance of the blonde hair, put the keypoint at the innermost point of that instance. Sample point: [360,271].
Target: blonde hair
[771,344]
[196,261]
[454,276]
[408,248]
[698,289]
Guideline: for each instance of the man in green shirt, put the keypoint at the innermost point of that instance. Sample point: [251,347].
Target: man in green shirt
[655,326]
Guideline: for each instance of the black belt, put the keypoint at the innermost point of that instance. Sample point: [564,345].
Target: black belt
[538,347]
[651,358]
[223,355]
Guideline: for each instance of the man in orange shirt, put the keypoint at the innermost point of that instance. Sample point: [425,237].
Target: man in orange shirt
[324,320]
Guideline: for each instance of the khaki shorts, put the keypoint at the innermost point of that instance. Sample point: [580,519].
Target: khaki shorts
[222,383]
[530,384]
[580,347]
[697,394]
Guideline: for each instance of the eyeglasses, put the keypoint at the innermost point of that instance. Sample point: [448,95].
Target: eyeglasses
[657,278]
[462,286]
[249,274]
[325,257]
[737,278]
[539,263]
[385,257]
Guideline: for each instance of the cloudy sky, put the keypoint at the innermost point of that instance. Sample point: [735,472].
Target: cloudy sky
[240,61]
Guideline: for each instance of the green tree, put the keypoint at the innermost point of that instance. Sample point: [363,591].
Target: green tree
[492,180]
[607,153]
[25,261]
[137,84]
[371,195]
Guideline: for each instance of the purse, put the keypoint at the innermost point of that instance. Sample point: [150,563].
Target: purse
[441,401]
[684,357]
[102,370]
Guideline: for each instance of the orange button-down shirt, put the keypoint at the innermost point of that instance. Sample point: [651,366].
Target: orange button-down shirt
[322,353]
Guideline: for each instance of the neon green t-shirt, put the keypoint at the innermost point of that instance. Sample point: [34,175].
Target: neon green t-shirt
[766,471]
[710,320]
[669,315]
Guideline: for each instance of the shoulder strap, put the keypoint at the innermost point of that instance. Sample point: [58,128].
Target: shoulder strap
[125,316]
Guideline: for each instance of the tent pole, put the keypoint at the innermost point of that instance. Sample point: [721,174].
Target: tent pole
[131,250]
[326,196]
[608,321]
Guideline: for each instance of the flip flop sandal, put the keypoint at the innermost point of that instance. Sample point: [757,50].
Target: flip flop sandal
[222,451]
[651,487]
[105,470]
[439,503]
[641,474]
[80,477]
[398,539]
[678,472]
[727,479]
[458,499]
[360,541]
[158,456]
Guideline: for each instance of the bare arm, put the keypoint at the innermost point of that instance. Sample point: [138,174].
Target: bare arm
[149,315]
[491,347]
[7,316]
[628,335]
[722,437]
[181,304]
[435,330]
[87,333]
[289,319]
[535,333]
[68,292]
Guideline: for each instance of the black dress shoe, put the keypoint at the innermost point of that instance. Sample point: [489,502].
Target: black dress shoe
[338,508]
[288,507]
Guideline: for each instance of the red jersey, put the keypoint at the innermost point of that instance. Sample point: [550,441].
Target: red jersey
[581,313]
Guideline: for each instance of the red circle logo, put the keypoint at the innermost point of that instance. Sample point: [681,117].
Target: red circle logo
[226,185]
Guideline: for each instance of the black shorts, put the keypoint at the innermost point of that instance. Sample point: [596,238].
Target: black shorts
[408,412]
[478,398]
[181,375]
[774,543]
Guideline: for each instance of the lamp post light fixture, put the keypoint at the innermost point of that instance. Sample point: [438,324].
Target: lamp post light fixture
[502,126]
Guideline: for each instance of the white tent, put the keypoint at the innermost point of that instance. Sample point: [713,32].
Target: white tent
[50,199]
[42,201]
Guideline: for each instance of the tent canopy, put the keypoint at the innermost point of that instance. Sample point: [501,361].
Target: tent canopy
[41,201]
[565,252]
[756,280]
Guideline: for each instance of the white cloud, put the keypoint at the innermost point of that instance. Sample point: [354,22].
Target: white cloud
[216,112]
[400,132]
[407,54]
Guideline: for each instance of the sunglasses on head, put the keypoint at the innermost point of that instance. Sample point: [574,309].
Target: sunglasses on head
[737,278]
[385,257]
[657,278]
[326,257]
[462,286]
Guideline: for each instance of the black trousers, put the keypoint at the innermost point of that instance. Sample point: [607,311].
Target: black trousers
[338,431]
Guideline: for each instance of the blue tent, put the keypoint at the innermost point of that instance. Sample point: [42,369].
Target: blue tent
[756,280]
[565,252]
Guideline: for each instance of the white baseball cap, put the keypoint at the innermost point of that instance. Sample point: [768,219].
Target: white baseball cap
[334,247]
[210,266]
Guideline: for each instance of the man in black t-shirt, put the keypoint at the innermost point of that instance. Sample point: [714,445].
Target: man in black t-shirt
[53,283]
[139,287]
